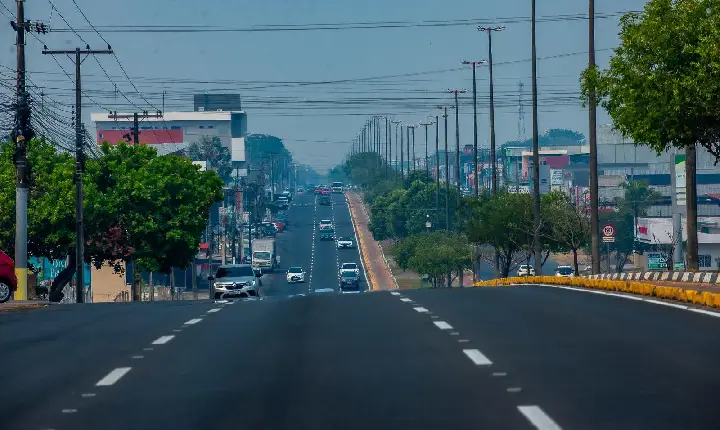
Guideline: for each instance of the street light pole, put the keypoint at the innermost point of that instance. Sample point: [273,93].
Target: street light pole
[457,141]
[475,127]
[493,163]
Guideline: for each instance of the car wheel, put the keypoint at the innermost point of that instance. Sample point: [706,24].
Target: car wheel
[4,292]
[218,296]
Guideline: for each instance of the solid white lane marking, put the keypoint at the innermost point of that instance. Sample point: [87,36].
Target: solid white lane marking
[214,310]
[394,293]
[112,377]
[162,340]
[193,321]
[406,300]
[442,325]
[672,305]
[421,310]
[538,418]
[704,312]
[477,357]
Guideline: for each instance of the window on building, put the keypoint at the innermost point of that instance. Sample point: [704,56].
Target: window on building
[175,127]
[210,126]
[202,126]
[705,260]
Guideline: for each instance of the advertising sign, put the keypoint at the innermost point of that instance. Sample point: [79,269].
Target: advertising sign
[656,261]
[556,177]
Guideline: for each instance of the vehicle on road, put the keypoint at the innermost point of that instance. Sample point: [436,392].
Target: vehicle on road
[325,223]
[325,201]
[337,187]
[279,226]
[345,243]
[236,280]
[325,192]
[318,189]
[287,194]
[526,270]
[264,255]
[8,280]
[282,202]
[327,234]
[565,272]
[295,274]
[349,281]
[300,190]
[269,229]
[349,267]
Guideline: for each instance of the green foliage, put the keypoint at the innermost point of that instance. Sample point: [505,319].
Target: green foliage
[258,146]
[566,226]
[434,254]
[217,156]
[663,84]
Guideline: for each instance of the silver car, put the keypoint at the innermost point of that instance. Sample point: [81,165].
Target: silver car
[236,280]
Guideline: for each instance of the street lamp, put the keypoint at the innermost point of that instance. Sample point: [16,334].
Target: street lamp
[428,223]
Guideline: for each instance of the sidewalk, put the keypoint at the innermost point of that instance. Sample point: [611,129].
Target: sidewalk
[21,306]
[377,271]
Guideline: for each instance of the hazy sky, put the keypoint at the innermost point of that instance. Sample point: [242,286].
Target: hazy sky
[315,89]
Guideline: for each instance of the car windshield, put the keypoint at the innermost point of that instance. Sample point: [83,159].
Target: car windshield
[295,270]
[525,267]
[565,270]
[349,275]
[337,184]
[345,239]
[325,221]
[349,266]
[327,231]
[262,255]
[234,272]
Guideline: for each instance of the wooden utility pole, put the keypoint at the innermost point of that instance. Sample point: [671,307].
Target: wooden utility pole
[493,156]
[536,154]
[476,182]
[592,140]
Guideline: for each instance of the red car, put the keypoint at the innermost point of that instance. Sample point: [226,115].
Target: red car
[325,192]
[318,190]
[8,280]
[279,226]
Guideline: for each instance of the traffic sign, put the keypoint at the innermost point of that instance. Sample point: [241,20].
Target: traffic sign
[608,231]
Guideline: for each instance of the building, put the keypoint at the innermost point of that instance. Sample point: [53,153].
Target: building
[658,232]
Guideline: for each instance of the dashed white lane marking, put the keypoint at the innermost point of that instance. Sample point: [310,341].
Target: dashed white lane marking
[538,418]
[421,310]
[406,300]
[514,390]
[177,330]
[137,357]
[454,334]
[86,395]
[434,317]
[162,340]
[499,374]
[193,321]
[112,377]
[147,349]
[69,411]
[477,357]
[394,293]
[463,341]
[442,325]
[214,310]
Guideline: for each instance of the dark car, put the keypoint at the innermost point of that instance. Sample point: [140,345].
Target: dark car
[325,201]
[327,234]
[349,281]
[8,280]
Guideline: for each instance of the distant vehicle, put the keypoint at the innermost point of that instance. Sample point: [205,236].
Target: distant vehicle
[264,255]
[301,190]
[345,242]
[269,229]
[295,274]
[318,189]
[325,201]
[526,270]
[565,272]
[279,226]
[236,280]
[325,223]
[8,280]
[337,187]
[288,194]
[325,192]
[349,267]
[282,202]
[349,281]
[327,234]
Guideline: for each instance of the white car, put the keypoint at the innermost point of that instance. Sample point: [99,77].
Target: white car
[295,274]
[526,270]
[350,267]
[565,272]
[325,223]
[345,242]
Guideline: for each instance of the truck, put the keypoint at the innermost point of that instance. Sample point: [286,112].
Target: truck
[264,254]
[337,187]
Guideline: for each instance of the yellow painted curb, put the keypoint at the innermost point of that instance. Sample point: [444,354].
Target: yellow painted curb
[704,298]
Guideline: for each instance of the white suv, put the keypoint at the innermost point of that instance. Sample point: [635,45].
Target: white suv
[349,267]
[526,270]
[295,274]
[325,223]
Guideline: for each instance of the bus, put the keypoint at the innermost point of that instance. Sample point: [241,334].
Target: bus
[337,187]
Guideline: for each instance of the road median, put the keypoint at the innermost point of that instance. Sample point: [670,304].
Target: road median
[683,295]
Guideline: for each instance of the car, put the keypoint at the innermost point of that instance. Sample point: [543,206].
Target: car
[526,270]
[295,274]
[565,272]
[345,242]
[269,229]
[8,280]
[236,280]
[325,223]
[337,187]
[349,267]
[325,201]
[325,192]
[301,190]
[327,234]
[279,226]
[318,190]
[349,281]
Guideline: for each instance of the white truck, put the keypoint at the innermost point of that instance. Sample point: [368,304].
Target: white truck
[264,254]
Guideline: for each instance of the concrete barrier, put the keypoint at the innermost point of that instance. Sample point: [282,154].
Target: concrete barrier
[678,276]
[703,298]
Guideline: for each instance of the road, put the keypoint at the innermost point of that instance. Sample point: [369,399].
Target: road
[483,358]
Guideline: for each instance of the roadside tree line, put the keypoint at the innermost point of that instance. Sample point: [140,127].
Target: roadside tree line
[139,207]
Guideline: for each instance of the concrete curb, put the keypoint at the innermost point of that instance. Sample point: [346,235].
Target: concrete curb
[703,298]
[695,277]
[361,245]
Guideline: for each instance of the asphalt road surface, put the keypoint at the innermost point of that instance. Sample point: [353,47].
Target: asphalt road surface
[480,358]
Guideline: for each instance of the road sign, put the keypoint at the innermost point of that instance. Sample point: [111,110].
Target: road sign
[656,261]
[608,230]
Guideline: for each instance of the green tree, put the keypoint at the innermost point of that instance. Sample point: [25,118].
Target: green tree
[663,85]
[567,225]
[434,254]
[217,156]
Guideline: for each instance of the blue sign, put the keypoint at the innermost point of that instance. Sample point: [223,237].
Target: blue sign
[47,270]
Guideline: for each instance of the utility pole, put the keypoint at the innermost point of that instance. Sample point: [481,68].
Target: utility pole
[447,171]
[411,127]
[437,171]
[427,164]
[592,122]
[134,134]
[402,160]
[457,141]
[536,154]
[493,156]
[476,182]
[388,147]
[397,141]
[79,167]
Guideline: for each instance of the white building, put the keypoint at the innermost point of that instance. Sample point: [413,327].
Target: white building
[659,231]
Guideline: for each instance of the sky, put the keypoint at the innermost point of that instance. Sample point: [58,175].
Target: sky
[315,89]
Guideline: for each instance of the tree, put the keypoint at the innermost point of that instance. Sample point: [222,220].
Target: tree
[217,156]
[663,85]
[434,254]
[567,225]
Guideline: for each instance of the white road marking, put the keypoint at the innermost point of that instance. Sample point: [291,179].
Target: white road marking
[162,340]
[69,411]
[454,334]
[112,377]
[477,357]
[406,300]
[499,374]
[442,325]
[147,349]
[421,310]
[193,321]
[434,317]
[463,341]
[214,310]
[137,357]
[394,293]
[538,418]
[177,330]
[87,395]
[704,312]
[514,390]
